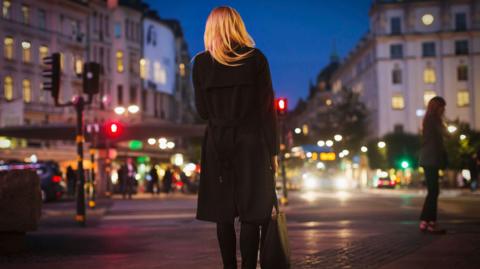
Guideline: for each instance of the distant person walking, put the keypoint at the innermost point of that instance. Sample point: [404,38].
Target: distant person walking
[154,180]
[167,180]
[71,181]
[128,172]
[233,91]
[433,157]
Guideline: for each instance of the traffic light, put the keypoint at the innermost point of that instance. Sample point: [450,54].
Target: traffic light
[52,74]
[405,164]
[91,78]
[113,129]
[281,105]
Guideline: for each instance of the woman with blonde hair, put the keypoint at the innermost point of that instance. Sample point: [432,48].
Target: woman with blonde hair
[233,91]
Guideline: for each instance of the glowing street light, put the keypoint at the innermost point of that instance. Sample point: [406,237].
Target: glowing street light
[329,143]
[298,130]
[119,110]
[321,143]
[452,129]
[170,144]
[364,149]
[151,141]
[463,137]
[381,144]
[338,138]
[133,109]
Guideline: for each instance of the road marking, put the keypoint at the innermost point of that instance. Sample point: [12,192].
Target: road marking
[150,216]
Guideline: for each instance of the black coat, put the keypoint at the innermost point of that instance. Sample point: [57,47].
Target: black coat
[433,152]
[241,137]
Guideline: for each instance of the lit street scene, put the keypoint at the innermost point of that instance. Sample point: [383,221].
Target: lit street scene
[271,134]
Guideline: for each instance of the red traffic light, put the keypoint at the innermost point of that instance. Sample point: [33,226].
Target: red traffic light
[113,129]
[281,105]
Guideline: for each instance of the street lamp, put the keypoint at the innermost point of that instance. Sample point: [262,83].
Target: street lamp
[119,110]
[452,129]
[151,141]
[463,137]
[298,130]
[329,143]
[338,138]
[321,143]
[381,144]
[364,149]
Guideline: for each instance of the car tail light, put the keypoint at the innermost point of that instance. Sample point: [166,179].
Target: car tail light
[56,179]
[392,183]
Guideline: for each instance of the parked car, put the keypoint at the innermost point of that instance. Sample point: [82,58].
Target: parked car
[51,181]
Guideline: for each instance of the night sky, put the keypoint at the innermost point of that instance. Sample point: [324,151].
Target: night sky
[296,36]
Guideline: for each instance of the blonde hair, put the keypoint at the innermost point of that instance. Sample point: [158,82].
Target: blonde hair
[224,31]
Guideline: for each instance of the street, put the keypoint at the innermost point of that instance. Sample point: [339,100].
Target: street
[327,229]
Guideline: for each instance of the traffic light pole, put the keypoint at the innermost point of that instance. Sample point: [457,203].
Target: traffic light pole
[282,162]
[80,217]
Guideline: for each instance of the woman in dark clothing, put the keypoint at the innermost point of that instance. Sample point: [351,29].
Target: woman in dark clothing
[233,91]
[433,157]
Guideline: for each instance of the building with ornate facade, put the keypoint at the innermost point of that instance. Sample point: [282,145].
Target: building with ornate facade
[415,50]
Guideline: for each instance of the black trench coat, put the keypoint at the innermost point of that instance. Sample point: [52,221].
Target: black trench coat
[241,137]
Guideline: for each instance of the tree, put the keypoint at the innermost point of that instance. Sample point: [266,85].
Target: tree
[461,145]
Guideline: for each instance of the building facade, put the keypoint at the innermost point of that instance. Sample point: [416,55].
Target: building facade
[416,50]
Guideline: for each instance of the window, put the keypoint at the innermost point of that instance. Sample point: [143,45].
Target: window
[120,94]
[181,68]
[8,88]
[120,66]
[107,25]
[398,102]
[133,95]
[462,72]
[395,26]
[428,49]
[127,28]
[117,29]
[429,75]
[27,91]
[7,9]
[461,47]
[144,68]
[460,22]
[78,66]
[62,61]
[396,51]
[427,95]
[42,53]
[463,98]
[26,51]
[42,19]
[8,48]
[25,14]
[159,75]
[397,75]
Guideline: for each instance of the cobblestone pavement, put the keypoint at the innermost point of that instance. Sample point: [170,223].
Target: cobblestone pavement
[326,230]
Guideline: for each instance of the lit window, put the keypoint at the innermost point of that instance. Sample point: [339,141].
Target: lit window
[8,88]
[144,68]
[119,57]
[462,72]
[429,76]
[6,9]
[181,68]
[8,47]
[42,52]
[398,102]
[463,98]
[427,95]
[27,91]
[26,14]
[428,19]
[62,61]
[78,68]
[26,51]
[159,74]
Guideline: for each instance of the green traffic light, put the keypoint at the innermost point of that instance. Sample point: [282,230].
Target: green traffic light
[405,164]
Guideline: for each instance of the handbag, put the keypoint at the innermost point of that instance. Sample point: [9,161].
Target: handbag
[275,250]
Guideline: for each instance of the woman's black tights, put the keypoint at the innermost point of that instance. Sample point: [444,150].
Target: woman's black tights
[249,243]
